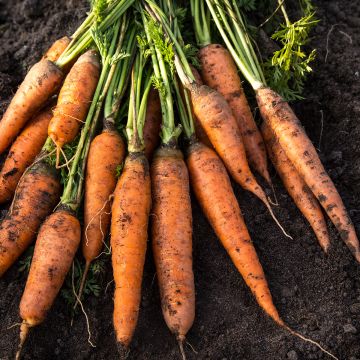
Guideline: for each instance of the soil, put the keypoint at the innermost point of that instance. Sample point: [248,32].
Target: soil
[317,295]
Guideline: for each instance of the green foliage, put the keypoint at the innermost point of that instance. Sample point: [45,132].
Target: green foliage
[25,263]
[119,169]
[288,68]
[247,5]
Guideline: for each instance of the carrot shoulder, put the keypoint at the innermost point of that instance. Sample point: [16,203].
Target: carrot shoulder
[292,138]
[22,153]
[42,81]
[212,188]
[36,196]
[297,188]
[219,72]
[129,224]
[57,48]
[172,239]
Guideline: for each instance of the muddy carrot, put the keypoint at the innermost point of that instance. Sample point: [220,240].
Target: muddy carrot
[297,188]
[74,100]
[22,153]
[37,194]
[152,123]
[287,130]
[56,49]
[172,220]
[220,73]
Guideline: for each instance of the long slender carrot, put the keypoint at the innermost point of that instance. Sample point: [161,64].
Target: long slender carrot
[172,239]
[291,136]
[217,119]
[129,223]
[74,99]
[219,72]
[56,49]
[212,187]
[152,123]
[107,152]
[22,153]
[297,188]
[42,81]
[60,234]
[36,196]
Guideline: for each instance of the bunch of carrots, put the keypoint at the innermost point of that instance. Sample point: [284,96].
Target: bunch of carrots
[129,59]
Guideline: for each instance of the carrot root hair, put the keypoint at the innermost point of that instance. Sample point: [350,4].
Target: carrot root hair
[82,283]
[180,339]
[313,342]
[24,332]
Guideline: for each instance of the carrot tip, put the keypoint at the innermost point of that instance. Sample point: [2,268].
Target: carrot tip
[180,340]
[82,284]
[123,350]
[24,332]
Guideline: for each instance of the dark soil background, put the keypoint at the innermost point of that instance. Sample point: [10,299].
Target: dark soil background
[317,295]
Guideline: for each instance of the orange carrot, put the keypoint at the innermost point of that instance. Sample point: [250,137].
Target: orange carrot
[107,152]
[217,119]
[54,253]
[36,196]
[22,153]
[199,130]
[129,223]
[74,99]
[152,123]
[219,72]
[297,188]
[56,49]
[212,188]
[172,239]
[42,81]
[292,138]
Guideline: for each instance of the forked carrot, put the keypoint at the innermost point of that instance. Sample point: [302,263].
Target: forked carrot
[287,130]
[297,188]
[22,153]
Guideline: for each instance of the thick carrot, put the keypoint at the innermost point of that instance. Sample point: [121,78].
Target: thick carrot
[291,136]
[36,196]
[212,187]
[152,125]
[42,81]
[219,72]
[297,188]
[172,239]
[199,130]
[107,152]
[74,99]
[129,223]
[57,48]
[22,153]
[55,248]
[220,125]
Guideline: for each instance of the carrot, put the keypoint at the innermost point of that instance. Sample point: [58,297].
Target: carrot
[199,130]
[56,49]
[152,123]
[216,117]
[107,152]
[129,223]
[297,188]
[37,194]
[291,136]
[172,239]
[219,72]
[42,81]
[22,153]
[212,188]
[74,99]
[54,252]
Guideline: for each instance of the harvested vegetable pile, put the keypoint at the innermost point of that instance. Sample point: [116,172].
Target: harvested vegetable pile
[305,291]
